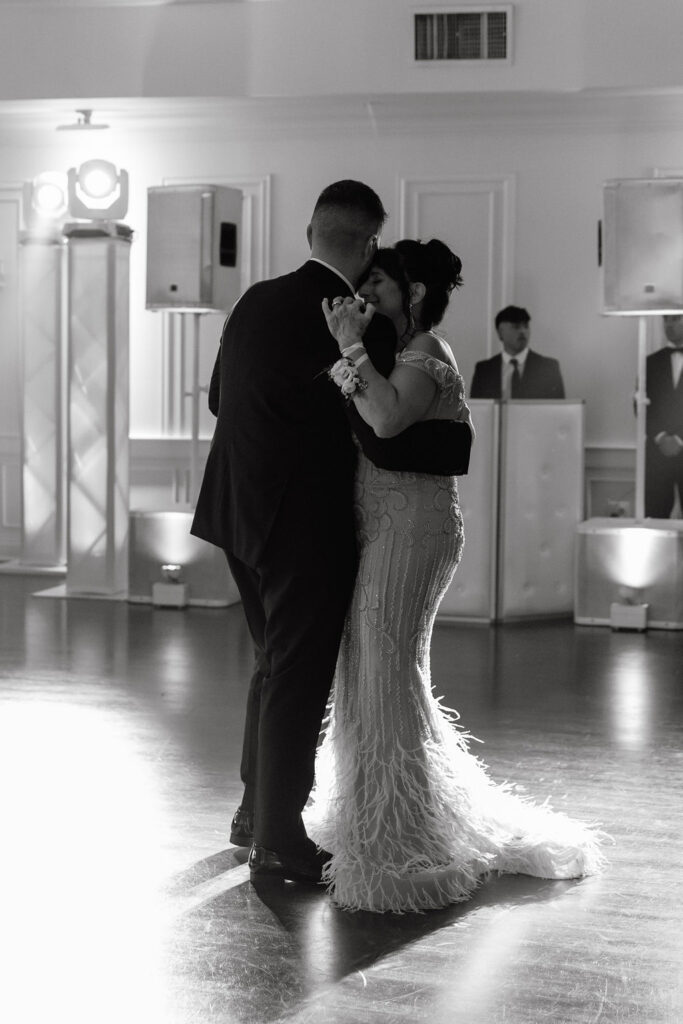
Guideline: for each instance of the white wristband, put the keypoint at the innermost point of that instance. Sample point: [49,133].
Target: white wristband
[362,359]
[352,348]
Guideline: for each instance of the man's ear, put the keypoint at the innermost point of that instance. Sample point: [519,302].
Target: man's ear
[309,235]
[370,248]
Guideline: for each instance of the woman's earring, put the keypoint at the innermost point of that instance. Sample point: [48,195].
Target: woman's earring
[411,318]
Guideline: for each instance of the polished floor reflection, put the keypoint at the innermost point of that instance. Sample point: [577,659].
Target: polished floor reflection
[122,901]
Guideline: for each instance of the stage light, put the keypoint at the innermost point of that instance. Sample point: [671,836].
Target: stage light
[171,593]
[637,557]
[628,574]
[98,191]
[45,201]
[49,194]
[98,180]
[626,615]
[171,572]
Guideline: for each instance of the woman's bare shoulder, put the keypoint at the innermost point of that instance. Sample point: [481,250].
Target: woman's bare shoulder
[432,345]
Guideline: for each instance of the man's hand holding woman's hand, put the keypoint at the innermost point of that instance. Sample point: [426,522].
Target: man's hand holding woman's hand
[347,320]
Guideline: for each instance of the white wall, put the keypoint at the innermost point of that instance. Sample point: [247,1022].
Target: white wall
[558,172]
[300,47]
[558,175]
[308,91]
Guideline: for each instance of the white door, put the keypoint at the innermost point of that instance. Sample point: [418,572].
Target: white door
[473,217]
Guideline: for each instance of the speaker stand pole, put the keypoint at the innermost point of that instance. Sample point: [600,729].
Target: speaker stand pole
[641,414]
[195,395]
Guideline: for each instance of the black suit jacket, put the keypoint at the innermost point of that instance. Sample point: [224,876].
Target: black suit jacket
[279,439]
[665,411]
[541,378]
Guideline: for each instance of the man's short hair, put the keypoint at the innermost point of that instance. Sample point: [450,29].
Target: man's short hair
[347,212]
[512,315]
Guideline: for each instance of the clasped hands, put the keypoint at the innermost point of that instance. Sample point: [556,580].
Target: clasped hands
[347,320]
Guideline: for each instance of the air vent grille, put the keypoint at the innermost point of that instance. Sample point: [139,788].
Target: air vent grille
[462,35]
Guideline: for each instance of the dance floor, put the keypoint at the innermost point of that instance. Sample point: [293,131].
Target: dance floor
[124,903]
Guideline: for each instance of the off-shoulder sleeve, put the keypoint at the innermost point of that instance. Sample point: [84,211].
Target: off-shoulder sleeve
[446,376]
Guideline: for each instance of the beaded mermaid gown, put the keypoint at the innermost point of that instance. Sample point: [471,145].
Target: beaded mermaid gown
[411,817]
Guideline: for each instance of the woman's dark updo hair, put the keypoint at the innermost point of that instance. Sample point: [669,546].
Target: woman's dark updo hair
[431,263]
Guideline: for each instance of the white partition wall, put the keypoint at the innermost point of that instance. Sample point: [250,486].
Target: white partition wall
[541,506]
[98,411]
[472,593]
[522,501]
[43,498]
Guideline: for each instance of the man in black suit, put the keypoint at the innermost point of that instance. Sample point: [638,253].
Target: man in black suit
[664,423]
[277,497]
[517,372]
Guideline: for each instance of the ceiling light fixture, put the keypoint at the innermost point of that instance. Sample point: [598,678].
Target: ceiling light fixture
[83,123]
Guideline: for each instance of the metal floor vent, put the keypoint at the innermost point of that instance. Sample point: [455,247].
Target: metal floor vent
[472,33]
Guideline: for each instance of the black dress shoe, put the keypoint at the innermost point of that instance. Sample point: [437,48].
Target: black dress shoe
[242,828]
[267,866]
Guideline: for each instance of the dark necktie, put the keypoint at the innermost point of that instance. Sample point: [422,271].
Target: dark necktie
[515,380]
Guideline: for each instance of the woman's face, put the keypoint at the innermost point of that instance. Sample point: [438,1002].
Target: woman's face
[383,292]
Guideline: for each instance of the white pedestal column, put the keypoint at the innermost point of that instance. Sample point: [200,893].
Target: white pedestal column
[521,501]
[43,498]
[472,594]
[541,504]
[97,553]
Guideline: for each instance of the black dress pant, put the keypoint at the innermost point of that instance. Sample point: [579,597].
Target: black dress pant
[662,476]
[295,604]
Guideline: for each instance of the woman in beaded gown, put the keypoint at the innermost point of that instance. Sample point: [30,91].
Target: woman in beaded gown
[412,819]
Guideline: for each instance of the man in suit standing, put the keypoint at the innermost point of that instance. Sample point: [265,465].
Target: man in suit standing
[517,372]
[277,497]
[664,423]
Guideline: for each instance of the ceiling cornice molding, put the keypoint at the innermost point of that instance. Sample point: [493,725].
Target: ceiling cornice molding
[367,116]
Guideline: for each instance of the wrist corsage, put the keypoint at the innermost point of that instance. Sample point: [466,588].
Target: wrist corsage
[346,377]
